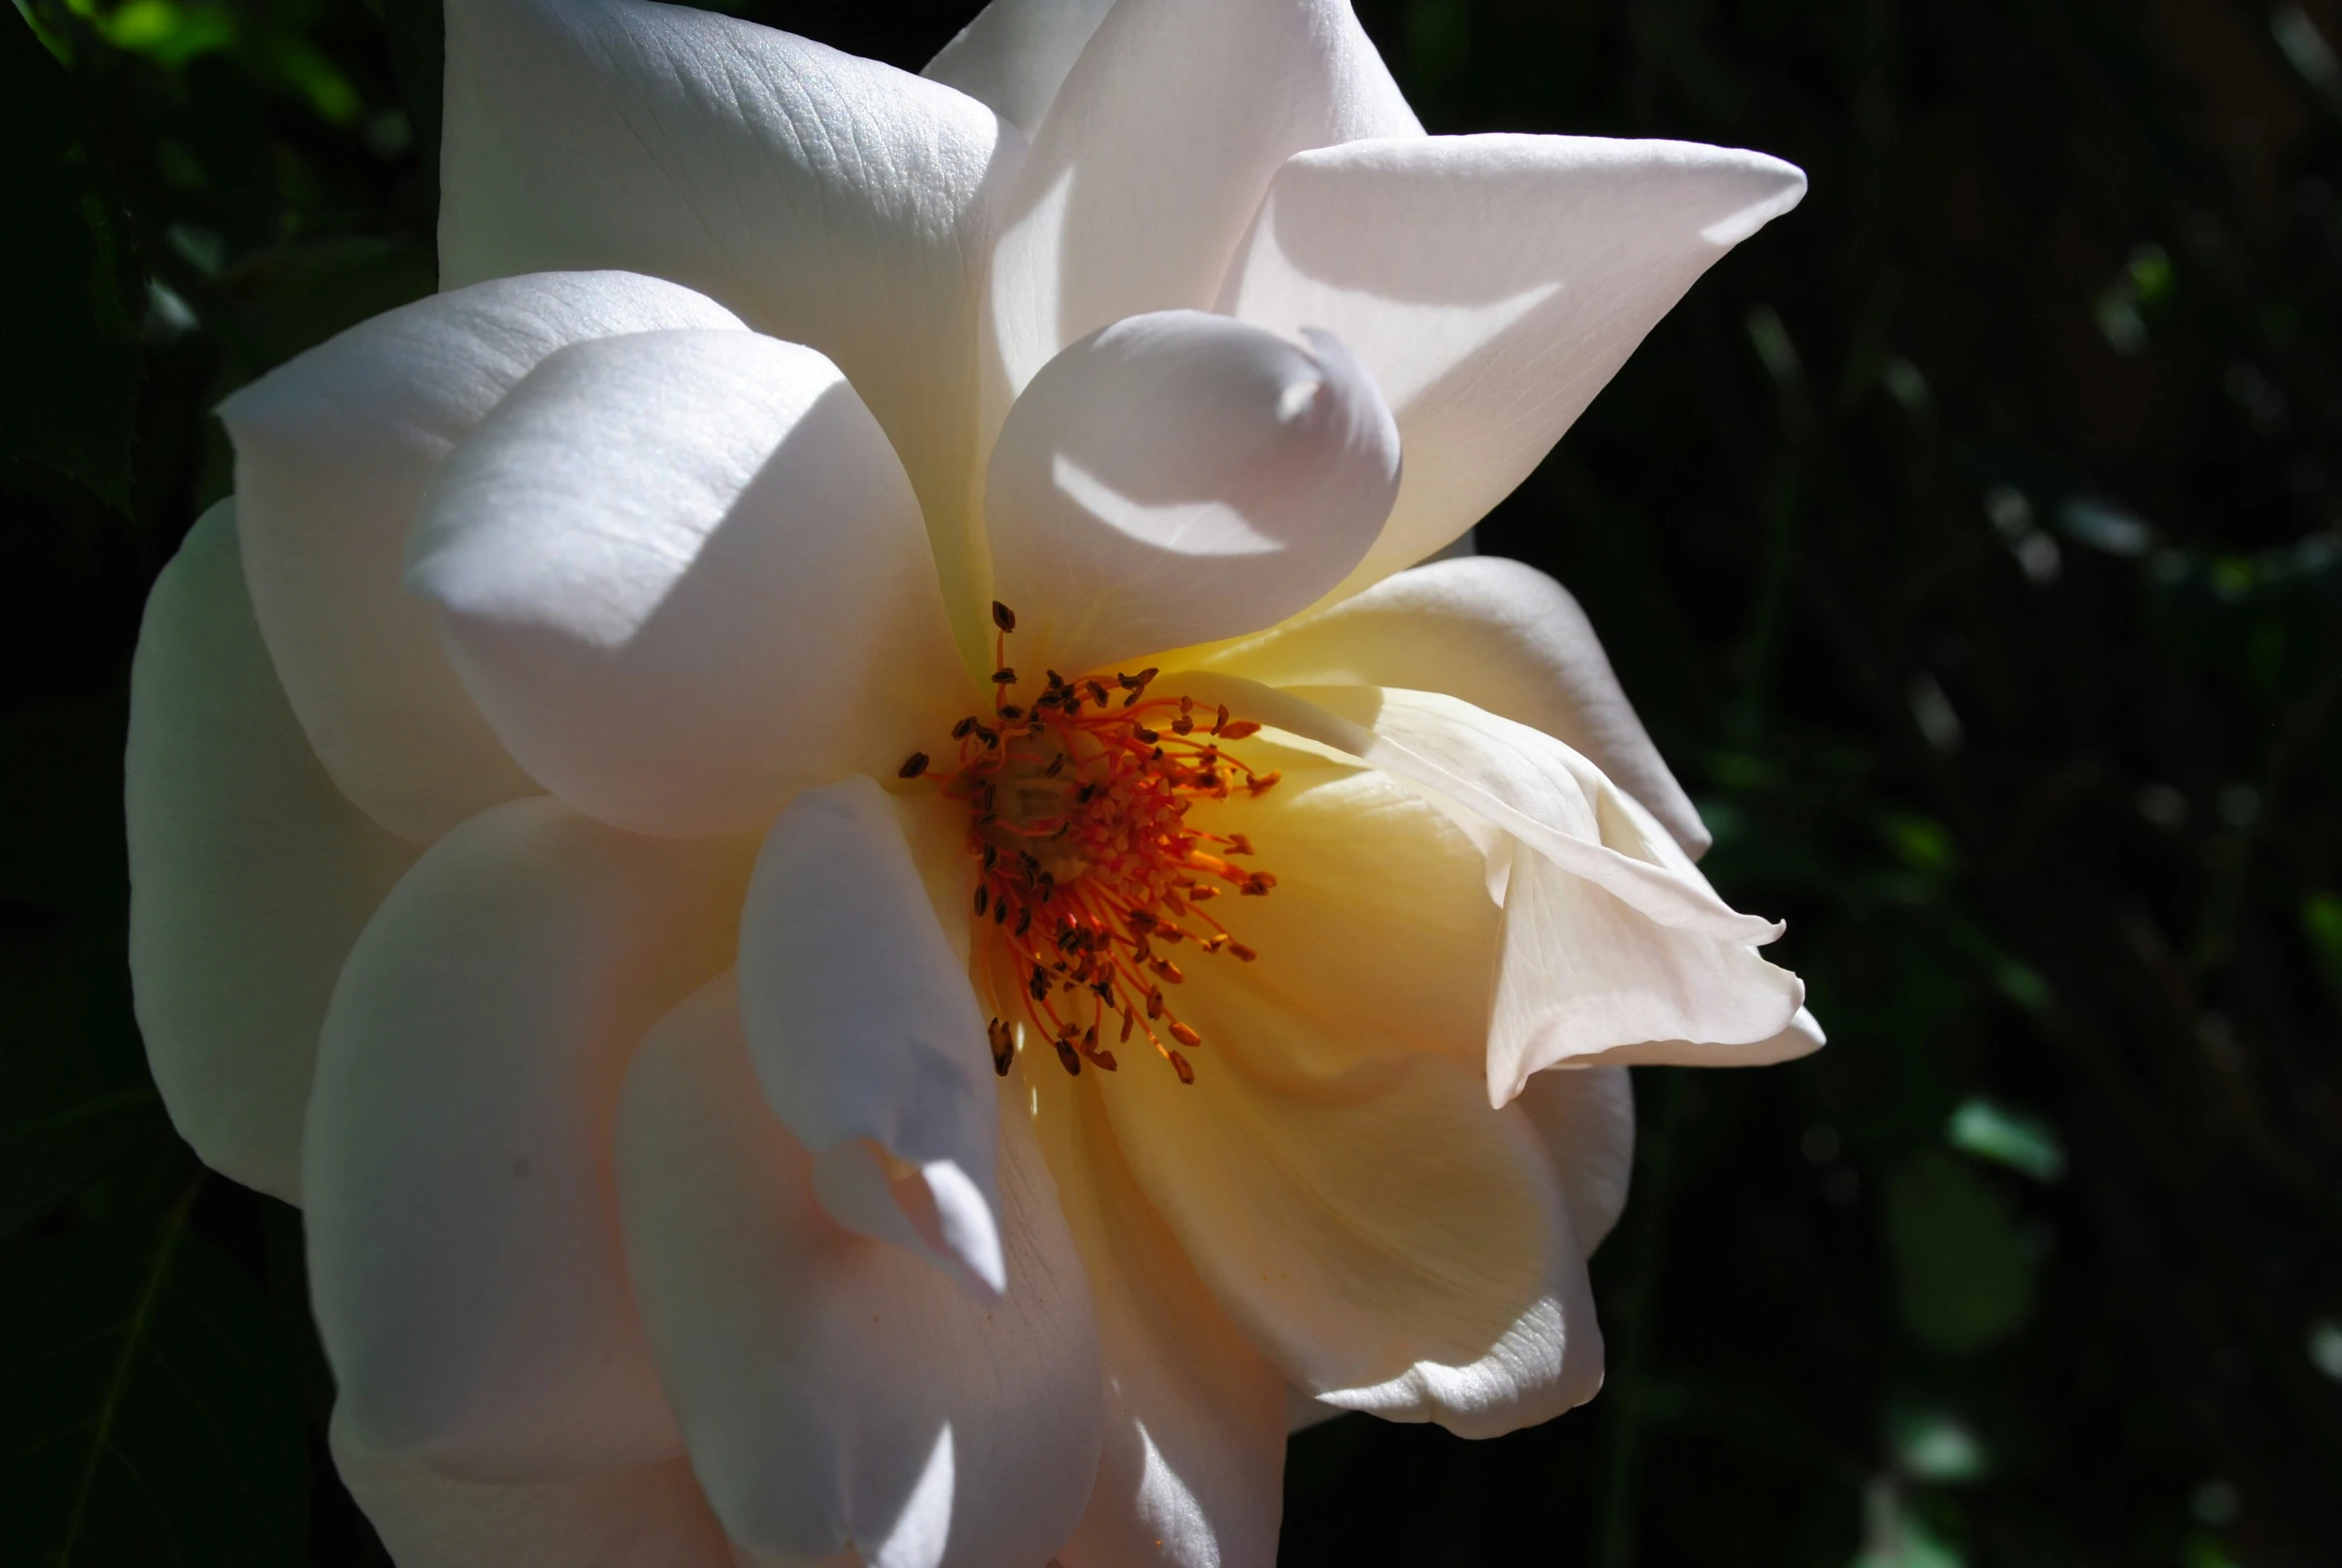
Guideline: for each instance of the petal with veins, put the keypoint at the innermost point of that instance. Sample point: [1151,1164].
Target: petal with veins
[251,875]
[1156,152]
[830,199]
[839,1393]
[1491,285]
[332,453]
[685,578]
[865,1031]
[649,1517]
[1388,1240]
[1190,1472]
[462,1239]
[1015,54]
[1501,636]
[1181,477]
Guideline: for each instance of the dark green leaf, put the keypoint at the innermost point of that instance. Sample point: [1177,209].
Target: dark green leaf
[70,284]
[147,1416]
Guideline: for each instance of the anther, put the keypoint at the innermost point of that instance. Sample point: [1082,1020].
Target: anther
[1005,676]
[1242,952]
[1004,1046]
[961,729]
[982,898]
[1165,969]
[1066,1054]
[1179,1066]
[1237,729]
[916,765]
[1186,1036]
[1003,617]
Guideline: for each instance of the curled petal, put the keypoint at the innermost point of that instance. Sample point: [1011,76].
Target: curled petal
[865,1032]
[1586,1115]
[251,875]
[464,1258]
[1180,478]
[1015,54]
[830,199]
[652,1516]
[1497,634]
[1391,1241]
[333,450]
[1155,153]
[1491,285]
[838,1393]
[685,578]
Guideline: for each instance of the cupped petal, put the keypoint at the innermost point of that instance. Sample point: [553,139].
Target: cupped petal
[250,874]
[1191,1471]
[684,576]
[1382,926]
[1390,1241]
[1802,1036]
[1155,153]
[830,199]
[333,450]
[1491,285]
[652,1516]
[1014,57]
[838,1393]
[865,1032]
[1181,477]
[1586,1115]
[464,1258]
[1497,634]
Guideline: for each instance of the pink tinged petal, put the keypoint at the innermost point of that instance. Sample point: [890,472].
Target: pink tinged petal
[1390,1241]
[838,1392]
[831,200]
[250,874]
[685,578]
[1491,285]
[1181,477]
[1156,152]
[1191,1475]
[1499,635]
[331,454]
[647,1517]
[462,1216]
[1586,1118]
[1015,54]
[865,1032]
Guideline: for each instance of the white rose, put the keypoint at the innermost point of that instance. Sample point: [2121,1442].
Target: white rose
[556,866]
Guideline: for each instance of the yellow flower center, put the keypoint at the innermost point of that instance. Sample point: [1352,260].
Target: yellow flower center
[1091,873]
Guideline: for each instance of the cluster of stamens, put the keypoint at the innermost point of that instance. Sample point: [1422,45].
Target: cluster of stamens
[1089,872]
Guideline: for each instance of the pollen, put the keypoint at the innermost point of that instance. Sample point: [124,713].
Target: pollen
[1086,866]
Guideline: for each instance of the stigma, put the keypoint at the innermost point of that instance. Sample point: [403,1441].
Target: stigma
[1089,879]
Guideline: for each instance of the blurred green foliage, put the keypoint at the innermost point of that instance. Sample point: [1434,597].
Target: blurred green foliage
[1971,540]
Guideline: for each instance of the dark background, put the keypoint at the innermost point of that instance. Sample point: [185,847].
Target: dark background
[1971,539]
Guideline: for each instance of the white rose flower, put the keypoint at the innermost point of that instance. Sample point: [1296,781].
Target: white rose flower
[815,818]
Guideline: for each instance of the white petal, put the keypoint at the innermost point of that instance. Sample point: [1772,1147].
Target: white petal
[1192,1470]
[250,874]
[865,1031]
[1180,478]
[1015,54]
[1584,974]
[1501,636]
[838,1392]
[1587,1119]
[1156,152]
[463,1224]
[829,200]
[650,1517]
[1391,1241]
[332,453]
[685,578]
[1800,1037]
[1492,285]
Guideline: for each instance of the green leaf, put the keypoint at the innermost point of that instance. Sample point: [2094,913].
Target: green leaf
[147,1415]
[75,1094]
[2024,1143]
[1964,1281]
[71,288]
